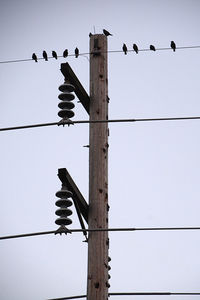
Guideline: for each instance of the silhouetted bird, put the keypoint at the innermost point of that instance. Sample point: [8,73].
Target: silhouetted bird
[106,32]
[76,52]
[45,55]
[34,57]
[90,34]
[173,45]
[124,48]
[54,54]
[135,48]
[152,48]
[65,53]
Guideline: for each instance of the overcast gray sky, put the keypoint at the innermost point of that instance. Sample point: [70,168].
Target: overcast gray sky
[153,167]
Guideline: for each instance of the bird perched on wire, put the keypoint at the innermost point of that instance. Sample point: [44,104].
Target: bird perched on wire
[152,47]
[106,32]
[65,53]
[135,48]
[76,52]
[124,48]
[45,55]
[173,46]
[54,54]
[34,57]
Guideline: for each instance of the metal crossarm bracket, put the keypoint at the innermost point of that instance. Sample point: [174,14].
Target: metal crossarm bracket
[77,197]
[80,92]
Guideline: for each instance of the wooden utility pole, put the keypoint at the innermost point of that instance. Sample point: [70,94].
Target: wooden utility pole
[98,243]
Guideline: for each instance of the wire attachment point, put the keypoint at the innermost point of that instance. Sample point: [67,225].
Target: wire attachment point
[62,229]
[65,121]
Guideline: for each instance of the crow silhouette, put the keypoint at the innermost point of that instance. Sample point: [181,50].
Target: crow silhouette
[76,52]
[65,53]
[135,48]
[152,47]
[106,32]
[124,48]
[173,46]
[45,55]
[34,57]
[54,54]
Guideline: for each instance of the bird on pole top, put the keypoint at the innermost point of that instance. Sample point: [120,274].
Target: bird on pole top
[107,33]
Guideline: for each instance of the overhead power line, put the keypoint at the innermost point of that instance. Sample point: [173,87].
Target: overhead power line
[99,121]
[101,229]
[109,51]
[135,294]
[72,297]
[154,294]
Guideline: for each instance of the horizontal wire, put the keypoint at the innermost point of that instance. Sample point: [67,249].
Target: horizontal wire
[88,53]
[100,121]
[101,229]
[134,294]
[26,235]
[29,126]
[151,294]
[72,297]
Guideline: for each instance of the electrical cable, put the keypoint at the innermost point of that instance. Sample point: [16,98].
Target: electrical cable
[29,126]
[100,230]
[99,121]
[135,294]
[88,53]
[154,294]
[72,297]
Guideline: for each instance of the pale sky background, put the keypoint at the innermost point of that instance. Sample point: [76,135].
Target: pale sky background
[154,168]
